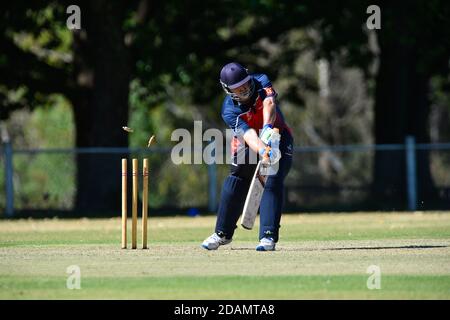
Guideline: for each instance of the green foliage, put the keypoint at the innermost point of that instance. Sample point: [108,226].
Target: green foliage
[52,125]
[153,115]
[44,180]
[176,50]
[185,183]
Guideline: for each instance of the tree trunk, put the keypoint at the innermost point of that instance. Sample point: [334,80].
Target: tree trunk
[401,109]
[102,72]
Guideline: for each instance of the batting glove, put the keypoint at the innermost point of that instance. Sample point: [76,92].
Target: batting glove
[266,134]
[270,156]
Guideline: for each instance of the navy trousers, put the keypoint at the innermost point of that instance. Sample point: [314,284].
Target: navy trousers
[235,189]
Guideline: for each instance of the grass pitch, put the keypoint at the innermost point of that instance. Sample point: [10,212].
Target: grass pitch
[320,256]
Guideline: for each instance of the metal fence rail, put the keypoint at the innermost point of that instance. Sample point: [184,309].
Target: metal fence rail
[409,148]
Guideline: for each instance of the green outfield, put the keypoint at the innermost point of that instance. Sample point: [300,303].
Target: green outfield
[319,256]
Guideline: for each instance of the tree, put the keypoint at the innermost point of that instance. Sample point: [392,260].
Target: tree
[95,78]
[156,42]
[101,71]
[402,108]
[413,46]
[170,43]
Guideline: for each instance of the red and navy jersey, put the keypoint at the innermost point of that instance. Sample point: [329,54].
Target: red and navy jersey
[242,117]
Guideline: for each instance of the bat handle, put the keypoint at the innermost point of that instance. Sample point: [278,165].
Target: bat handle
[266,153]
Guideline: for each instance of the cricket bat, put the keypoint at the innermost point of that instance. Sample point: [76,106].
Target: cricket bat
[254,195]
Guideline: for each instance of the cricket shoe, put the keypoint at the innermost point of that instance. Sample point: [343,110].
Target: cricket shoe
[215,241]
[266,244]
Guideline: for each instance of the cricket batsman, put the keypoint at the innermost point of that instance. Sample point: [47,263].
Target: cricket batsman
[250,109]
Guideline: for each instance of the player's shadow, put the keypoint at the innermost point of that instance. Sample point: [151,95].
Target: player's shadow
[352,248]
[388,247]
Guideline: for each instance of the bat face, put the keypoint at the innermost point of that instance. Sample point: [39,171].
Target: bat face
[253,199]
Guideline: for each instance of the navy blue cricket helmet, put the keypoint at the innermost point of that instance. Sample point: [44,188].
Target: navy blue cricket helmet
[234,75]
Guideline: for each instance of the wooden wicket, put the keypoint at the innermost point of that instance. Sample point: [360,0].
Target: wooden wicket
[124,203]
[134,204]
[144,202]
